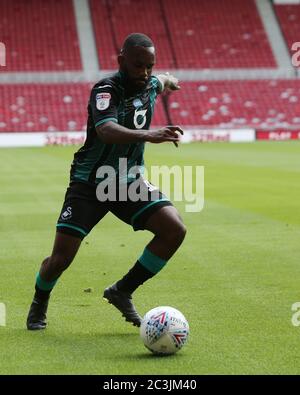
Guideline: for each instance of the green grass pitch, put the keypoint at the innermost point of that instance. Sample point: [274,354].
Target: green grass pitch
[235,277]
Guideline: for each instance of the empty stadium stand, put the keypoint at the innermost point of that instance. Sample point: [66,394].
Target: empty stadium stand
[62,107]
[42,38]
[210,34]
[289,21]
[122,17]
[50,107]
[257,104]
[217,34]
[39,35]
[43,107]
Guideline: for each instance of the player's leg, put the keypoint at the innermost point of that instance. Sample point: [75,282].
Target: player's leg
[81,211]
[158,216]
[64,251]
[169,232]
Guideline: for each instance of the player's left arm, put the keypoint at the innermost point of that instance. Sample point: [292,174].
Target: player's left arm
[168,82]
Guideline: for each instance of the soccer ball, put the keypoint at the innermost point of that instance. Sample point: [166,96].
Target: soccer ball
[164,330]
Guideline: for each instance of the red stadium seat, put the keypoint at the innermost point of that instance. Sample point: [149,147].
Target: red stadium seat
[114,20]
[62,107]
[50,107]
[208,34]
[193,34]
[43,107]
[289,19]
[39,35]
[217,34]
[234,104]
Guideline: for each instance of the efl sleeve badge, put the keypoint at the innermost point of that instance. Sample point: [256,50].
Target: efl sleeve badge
[103,100]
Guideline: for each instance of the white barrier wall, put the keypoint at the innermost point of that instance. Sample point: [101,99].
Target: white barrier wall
[71,138]
[41,139]
[286,2]
[230,135]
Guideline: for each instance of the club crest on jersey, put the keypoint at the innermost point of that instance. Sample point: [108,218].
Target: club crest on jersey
[102,101]
[67,214]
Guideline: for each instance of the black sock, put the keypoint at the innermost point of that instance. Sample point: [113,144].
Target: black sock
[136,276]
[41,294]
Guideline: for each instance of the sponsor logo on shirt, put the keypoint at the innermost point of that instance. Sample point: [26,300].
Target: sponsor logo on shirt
[137,103]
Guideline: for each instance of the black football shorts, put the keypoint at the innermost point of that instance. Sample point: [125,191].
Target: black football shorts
[82,210]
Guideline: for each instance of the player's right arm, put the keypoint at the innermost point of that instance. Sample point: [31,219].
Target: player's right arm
[104,103]
[113,133]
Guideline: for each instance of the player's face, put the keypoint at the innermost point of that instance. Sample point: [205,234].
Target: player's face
[137,64]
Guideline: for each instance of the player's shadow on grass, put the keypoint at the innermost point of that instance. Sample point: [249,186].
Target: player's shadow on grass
[148,355]
[67,339]
[84,343]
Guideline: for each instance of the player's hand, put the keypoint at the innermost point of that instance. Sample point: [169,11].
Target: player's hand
[172,82]
[166,134]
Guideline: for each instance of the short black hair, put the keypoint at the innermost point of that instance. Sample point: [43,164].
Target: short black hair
[137,40]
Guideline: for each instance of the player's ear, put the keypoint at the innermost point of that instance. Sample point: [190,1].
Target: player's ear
[121,60]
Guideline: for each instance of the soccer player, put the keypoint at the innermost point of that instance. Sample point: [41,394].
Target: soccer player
[119,115]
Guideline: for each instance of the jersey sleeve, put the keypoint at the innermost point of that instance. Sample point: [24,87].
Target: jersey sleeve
[157,85]
[104,104]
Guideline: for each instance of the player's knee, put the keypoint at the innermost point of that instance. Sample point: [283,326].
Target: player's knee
[60,262]
[181,232]
[176,234]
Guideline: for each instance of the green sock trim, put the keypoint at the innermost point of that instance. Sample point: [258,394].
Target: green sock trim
[72,227]
[152,262]
[44,285]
